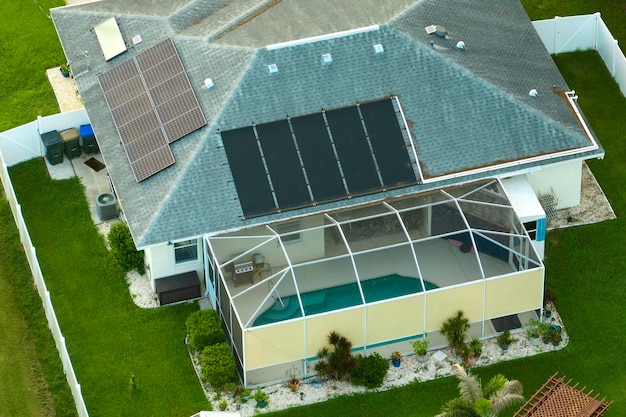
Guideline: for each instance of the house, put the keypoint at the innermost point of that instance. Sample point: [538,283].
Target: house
[356,166]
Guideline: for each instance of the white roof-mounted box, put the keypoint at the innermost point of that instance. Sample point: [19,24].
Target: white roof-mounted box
[110,38]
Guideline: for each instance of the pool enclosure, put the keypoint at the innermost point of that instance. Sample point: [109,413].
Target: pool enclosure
[382,274]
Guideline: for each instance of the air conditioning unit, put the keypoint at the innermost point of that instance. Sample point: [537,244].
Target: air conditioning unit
[106,205]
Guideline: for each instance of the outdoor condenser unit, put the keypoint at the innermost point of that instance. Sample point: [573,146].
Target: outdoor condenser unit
[106,205]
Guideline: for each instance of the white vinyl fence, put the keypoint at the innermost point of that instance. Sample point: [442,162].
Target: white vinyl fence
[561,34]
[580,33]
[21,144]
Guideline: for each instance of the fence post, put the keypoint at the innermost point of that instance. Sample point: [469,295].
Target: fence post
[556,24]
[615,54]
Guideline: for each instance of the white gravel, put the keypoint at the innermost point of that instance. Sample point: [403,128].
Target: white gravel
[410,370]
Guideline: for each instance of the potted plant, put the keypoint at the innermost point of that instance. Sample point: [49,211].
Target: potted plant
[420,347]
[65,70]
[260,397]
[532,331]
[294,382]
[505,339]
[396,358]
[229,389]
[244,395]
[554,334]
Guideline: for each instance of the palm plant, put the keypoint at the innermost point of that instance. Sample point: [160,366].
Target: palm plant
[476,400]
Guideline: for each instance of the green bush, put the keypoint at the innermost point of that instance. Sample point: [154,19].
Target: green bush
[204,329]
[218,365]
[123,249]
[370,370]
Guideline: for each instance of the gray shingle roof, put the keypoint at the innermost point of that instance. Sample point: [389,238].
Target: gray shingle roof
[466,108]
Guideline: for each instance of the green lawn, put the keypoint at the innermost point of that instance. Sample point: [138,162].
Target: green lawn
[29,46]
[109,338]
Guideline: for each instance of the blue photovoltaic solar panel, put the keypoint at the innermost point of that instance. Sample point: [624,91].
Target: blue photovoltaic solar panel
[353,150]
[318,157]
[292,163]
[283,165]
[248,172]
[388,143]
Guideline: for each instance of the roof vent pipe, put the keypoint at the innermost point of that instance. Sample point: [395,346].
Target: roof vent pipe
[532,93]
[460,45]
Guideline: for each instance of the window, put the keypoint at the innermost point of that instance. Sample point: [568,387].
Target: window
[531,228]
[289,228]
[186,251]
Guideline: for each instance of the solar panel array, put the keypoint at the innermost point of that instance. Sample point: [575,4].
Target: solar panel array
[152,105]
[317,158]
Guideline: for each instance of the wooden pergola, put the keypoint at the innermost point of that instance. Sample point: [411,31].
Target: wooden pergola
[557,398]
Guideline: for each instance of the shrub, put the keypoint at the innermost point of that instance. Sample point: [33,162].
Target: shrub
[218,365]
[455,330]
[370,370]
[204,329]
[123,249]
[338,363]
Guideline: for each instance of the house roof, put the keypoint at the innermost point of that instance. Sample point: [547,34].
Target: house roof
[468,111]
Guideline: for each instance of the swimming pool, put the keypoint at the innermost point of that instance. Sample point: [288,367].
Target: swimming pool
[341,296]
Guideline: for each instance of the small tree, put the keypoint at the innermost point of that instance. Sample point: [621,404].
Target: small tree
[204,329]
[123,249]
[455,330]
[476,400]
[338,363]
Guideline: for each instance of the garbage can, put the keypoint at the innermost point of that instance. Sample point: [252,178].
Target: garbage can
[89,140]
[54,147]
[71,143]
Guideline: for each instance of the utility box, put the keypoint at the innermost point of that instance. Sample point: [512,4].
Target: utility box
[54,147]
[71,143]
[89,139]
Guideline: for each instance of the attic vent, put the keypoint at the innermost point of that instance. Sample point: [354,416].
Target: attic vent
[437,30]
[378,48]
[327,59]
[532,93]
[273,68]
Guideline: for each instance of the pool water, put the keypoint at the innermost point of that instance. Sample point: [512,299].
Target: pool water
[342,296]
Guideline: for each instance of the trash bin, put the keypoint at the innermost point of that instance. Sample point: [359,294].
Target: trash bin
[54,147]
[89,140]
[71,143]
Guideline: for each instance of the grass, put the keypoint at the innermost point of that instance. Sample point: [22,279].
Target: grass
[29,46]
[32,382]
[108,336]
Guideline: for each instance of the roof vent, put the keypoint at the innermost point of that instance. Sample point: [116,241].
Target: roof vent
[273,68]
[327,59]
[437,30]
[378,48]
[532,93]
[460,45]
[137,40]
[208,83]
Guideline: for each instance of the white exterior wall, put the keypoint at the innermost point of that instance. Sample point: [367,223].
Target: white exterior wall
[161,263]
[564,180]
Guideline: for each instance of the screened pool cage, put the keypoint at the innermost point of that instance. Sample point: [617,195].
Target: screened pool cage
[383,272]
